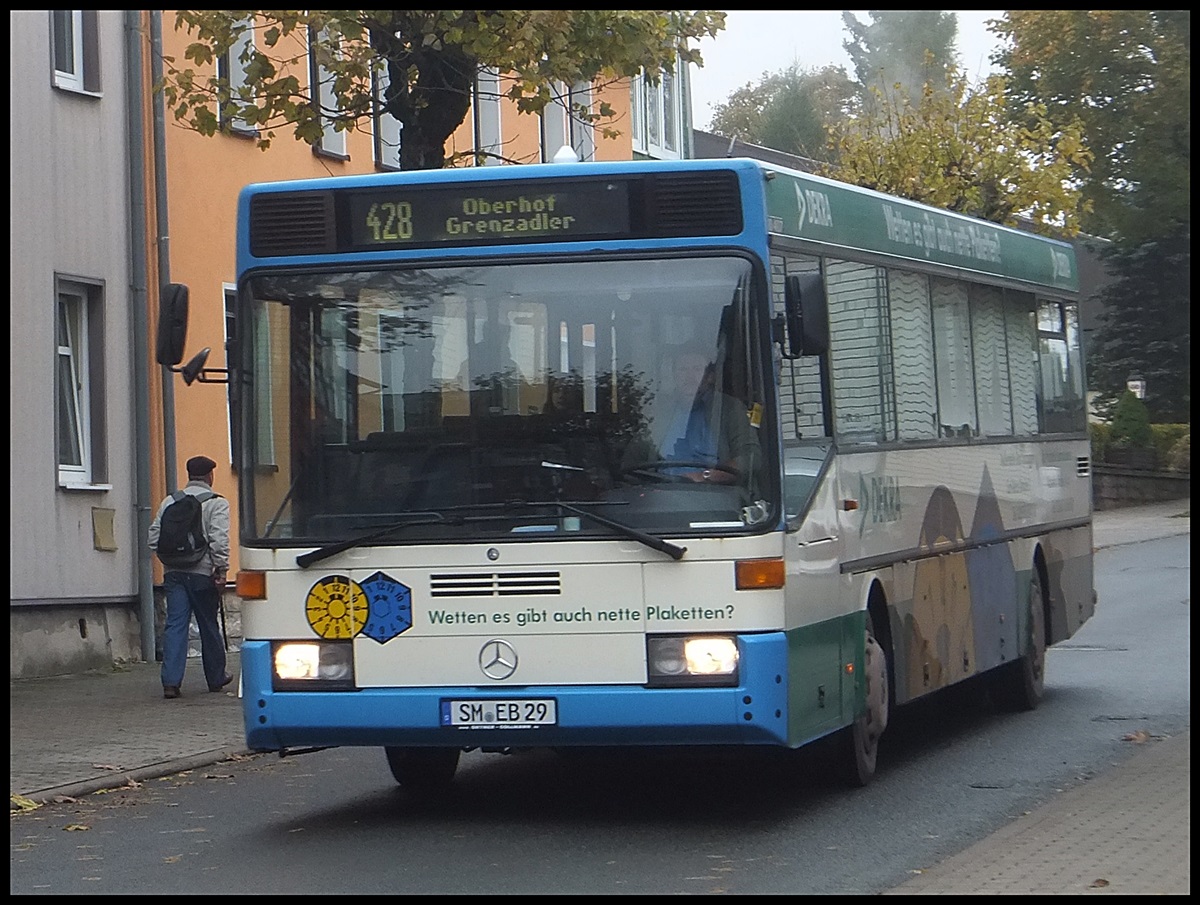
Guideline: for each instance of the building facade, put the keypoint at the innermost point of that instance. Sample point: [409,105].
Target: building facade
[73,504]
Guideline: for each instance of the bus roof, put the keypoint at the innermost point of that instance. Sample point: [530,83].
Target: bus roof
[818,209]
[801,206]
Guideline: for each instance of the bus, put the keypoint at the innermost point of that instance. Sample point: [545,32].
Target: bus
[461,523]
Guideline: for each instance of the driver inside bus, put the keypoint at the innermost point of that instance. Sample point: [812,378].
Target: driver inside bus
[706,431]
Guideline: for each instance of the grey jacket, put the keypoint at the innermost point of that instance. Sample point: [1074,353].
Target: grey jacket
[216,528]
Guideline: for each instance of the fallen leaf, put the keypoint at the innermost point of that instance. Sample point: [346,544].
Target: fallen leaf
[133,784]
[21,803]
[64,799]
[218,776]
[171,859]
[1139,736]
[1096,884]
[75,827]
[112,767]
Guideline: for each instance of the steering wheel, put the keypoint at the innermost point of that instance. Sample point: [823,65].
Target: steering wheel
[656,468]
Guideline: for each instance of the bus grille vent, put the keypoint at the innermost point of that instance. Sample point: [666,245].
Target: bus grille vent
[494,584]
[696,204]
[1083,466]
[292,223]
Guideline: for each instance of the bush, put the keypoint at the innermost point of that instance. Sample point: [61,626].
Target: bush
[1165,436]
[1131,423]
[1101,437]
[1180,456]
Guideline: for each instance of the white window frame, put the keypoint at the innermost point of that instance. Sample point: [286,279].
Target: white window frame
[71,340]
[231,67]
[387,131]
[486,107]
[654,107]
[555,123]
[76,70]
[583,134]
[333,142]
[561,127]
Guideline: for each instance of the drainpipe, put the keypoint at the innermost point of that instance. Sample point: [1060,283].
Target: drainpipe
[163,236]
[140,330]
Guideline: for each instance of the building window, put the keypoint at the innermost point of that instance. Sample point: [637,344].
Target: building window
[79,384]
[332,142]
[561,124]
[75,48]
[387,128]
[231,67]
[659,116]
[485,105]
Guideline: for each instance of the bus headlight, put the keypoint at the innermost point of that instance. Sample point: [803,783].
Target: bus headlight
[312,664]
[692,660]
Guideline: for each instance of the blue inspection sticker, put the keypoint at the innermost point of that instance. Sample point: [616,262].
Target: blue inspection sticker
[390,604]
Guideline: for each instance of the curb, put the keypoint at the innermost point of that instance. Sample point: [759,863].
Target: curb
[118,780]
[1183,532]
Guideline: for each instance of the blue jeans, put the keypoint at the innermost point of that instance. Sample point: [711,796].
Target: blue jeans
[190,594]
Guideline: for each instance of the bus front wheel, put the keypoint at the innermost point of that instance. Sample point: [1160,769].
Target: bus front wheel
[423,769]
[860,740]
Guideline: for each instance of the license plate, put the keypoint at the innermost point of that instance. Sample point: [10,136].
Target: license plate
[493,714]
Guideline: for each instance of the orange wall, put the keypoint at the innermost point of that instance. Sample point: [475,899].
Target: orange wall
[204,176]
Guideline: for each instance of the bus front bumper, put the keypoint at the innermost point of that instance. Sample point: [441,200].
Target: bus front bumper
[754,712]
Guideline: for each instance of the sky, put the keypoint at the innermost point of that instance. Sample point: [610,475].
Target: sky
[754,42]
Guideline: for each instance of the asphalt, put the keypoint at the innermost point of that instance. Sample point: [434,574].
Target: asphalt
[1125,831]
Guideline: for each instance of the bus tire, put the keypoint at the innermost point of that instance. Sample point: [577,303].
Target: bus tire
[423,769]
[1020,685]
[859,742]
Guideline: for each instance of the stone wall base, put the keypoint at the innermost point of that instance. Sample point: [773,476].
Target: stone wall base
[1114,486]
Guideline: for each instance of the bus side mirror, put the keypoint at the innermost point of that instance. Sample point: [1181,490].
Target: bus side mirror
[172,324]
[805,314]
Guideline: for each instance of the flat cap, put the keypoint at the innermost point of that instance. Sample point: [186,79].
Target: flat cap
[199,466]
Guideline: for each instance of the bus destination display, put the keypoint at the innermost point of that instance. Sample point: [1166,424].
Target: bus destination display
[521,211]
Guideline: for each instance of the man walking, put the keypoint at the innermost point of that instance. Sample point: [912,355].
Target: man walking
[190,536]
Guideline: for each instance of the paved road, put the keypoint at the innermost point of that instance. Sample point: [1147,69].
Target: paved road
[1126,831]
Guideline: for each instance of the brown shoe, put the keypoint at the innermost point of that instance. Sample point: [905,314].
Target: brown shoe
[228,678]
[170,691]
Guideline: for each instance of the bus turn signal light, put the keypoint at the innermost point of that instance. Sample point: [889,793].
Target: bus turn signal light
[252,585]
[758,574]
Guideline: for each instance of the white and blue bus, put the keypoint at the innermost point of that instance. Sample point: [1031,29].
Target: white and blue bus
[459,528]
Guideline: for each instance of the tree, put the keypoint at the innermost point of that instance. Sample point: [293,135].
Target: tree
[1145,327]
[430,57]
[789,110]
[905,49]
[1126,76]
[957,149]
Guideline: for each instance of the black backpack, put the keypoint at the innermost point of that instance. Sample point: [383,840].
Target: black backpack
[181,538]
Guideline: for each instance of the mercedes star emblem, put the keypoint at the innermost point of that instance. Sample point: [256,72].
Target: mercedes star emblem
[497,659]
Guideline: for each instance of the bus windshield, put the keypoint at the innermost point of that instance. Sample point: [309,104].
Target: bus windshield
[453,397]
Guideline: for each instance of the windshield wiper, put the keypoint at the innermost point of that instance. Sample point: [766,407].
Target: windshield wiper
[304,560]
[654,543]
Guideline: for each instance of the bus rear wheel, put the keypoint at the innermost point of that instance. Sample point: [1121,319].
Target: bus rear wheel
[423,769]
[859,742]
[1021,684]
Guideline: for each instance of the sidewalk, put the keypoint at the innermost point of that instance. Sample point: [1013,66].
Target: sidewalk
[1126,831]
